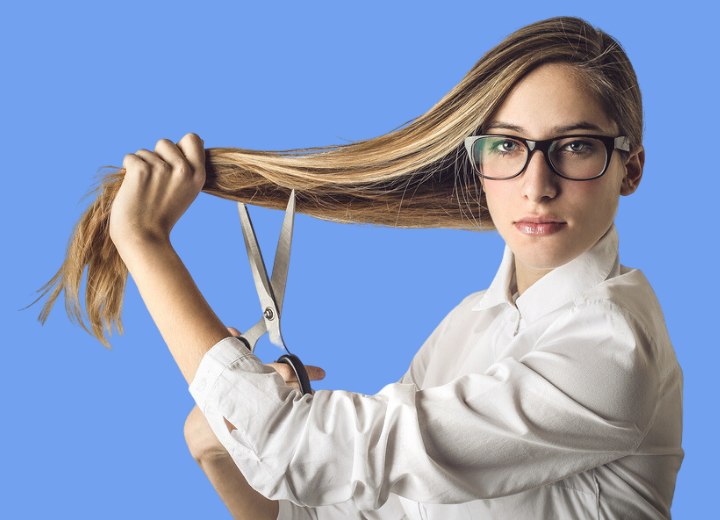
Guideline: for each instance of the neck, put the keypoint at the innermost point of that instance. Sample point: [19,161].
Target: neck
[526,276]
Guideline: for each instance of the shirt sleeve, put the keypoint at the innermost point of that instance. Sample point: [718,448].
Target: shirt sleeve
[582,397]
[390,510]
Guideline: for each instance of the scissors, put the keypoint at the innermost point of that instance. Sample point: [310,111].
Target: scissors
[271,293]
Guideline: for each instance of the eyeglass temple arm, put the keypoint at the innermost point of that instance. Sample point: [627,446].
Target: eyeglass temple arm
[622,143]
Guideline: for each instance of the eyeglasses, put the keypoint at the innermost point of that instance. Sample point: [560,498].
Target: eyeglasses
[576,157]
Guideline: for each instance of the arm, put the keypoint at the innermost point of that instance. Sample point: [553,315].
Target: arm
[582,398]
[241,499]
[185,320]
[156,190]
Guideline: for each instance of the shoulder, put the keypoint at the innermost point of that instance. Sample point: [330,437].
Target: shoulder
[630,294]
[629,297]
[469,301]
[463,311]
[602,351]
[456,321]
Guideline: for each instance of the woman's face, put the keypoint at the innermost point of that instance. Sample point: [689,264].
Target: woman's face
[549,97]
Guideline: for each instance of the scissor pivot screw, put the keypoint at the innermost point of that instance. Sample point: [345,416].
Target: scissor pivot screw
[269,314]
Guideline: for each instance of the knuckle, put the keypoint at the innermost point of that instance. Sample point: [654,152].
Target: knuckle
[134,164]
[162,141]
[184,170]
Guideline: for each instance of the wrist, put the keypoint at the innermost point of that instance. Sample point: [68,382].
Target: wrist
[136,239]
[143,247]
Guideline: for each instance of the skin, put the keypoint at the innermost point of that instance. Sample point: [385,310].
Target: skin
[547,97]
[230,484]
[157,189]
[159,186]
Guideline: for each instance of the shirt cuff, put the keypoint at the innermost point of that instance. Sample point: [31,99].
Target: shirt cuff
[221,355]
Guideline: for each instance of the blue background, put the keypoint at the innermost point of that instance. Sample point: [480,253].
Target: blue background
[95,433]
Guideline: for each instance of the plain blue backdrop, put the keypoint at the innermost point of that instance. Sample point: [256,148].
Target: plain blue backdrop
[95,433]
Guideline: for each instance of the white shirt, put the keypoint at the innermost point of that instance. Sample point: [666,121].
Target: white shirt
[564,404]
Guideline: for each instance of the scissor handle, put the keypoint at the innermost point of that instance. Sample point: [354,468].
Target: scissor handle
[297,366]
[299,369]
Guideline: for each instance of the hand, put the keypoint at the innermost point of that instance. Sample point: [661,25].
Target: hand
[157,189]
[314,373]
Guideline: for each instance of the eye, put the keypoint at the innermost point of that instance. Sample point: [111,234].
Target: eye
[577,146]
[505,146]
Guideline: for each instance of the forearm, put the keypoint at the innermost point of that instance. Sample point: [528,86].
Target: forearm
[241,499]
[232,487]
[185,320]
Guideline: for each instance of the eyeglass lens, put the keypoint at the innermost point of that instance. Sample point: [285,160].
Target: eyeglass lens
[574,157]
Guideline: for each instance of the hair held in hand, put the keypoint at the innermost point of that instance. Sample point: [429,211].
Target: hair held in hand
[413,177]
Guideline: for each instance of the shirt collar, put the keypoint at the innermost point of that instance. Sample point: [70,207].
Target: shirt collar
[557,287]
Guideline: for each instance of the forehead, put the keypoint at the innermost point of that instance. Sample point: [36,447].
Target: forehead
[551,96]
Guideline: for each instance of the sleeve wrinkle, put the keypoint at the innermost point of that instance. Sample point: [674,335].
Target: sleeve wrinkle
[517,426]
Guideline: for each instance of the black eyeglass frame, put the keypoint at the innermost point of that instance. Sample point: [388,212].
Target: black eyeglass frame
[611,143]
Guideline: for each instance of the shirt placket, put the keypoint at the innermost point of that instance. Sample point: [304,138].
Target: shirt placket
[513,318]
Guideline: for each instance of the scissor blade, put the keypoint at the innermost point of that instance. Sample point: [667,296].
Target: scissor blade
[282,254]
[254,333]
[262,285]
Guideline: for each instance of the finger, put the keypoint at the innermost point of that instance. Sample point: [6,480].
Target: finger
[234,331]
[135,162]
[315,373]
[156,162]
[287,373]
[171,154]
[194,149]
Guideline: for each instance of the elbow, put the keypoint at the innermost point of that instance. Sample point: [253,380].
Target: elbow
[199,437]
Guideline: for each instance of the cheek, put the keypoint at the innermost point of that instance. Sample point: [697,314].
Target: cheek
[596,202]
[498,198]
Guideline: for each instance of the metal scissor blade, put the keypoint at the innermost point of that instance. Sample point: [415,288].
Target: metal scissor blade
[282,254]
[271,313]
[254,333]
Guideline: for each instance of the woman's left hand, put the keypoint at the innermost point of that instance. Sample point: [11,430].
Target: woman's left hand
[314,373]
[157,189]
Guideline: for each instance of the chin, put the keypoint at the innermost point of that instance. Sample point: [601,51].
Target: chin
[544,260]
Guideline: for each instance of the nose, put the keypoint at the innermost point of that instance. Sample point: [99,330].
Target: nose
[538,180]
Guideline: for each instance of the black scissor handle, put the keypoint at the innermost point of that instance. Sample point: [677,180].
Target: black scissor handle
[299,369]
[245,342]
[290,359]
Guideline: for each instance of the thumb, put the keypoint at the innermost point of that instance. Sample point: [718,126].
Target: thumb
[234,331]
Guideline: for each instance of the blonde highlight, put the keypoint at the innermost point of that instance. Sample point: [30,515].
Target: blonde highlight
[415,176]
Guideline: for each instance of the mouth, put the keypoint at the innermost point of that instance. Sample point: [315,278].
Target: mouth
[546,219]
[538,226]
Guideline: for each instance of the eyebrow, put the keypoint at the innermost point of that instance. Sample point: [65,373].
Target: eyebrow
[580,125]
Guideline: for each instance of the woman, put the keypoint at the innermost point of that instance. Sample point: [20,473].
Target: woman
[553,393]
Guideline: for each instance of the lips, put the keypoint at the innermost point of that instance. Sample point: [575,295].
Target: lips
[542,219]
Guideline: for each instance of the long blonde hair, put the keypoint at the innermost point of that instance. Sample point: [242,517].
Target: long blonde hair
[415,176]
